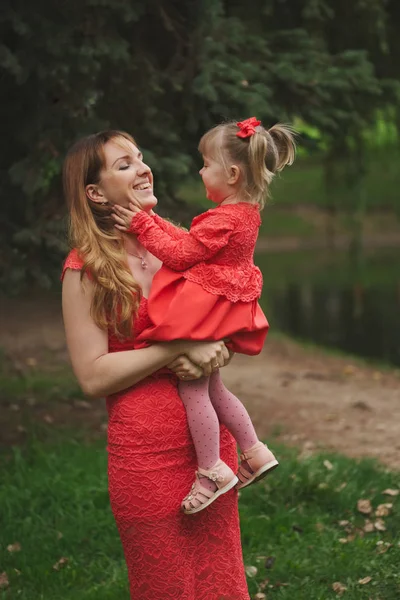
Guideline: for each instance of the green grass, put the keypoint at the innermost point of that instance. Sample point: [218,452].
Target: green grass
[293,517]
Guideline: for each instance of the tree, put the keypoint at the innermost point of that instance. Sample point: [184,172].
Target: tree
[166,71]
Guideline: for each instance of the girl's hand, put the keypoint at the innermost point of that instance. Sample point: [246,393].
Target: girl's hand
[185,369]
[209,356]
[123,216]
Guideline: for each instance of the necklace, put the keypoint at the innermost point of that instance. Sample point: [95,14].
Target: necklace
[143,263]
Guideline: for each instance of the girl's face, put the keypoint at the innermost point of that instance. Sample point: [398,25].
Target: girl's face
[125,177]
[215,179]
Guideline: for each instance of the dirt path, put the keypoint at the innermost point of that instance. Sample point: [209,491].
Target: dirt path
[313,400]
[320,401]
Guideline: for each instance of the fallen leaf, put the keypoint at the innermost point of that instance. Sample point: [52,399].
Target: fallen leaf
[59,535]
[264,584]
[15,547]
[331,417]
[17,571]
[364,506]
[48,419]
[341,486]
[82,404]
[343,540]
[60,563]
[31,361]
[4,580]
[251,571]
[343,523]
[380,525]
[338,587]
[309,445]
[328,465]
[349,370]
[383,547]
[322,486]
[368,527]
[365,580]
[383,510]
[14,407]
[260,596]
[269,563]
[391,492]
[361,405]
[319,526]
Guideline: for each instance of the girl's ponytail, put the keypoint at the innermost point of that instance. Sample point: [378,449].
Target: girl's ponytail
[261,170]
[284,140]
[259,152]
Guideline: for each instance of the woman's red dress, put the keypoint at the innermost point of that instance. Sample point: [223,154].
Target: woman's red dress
[151,464]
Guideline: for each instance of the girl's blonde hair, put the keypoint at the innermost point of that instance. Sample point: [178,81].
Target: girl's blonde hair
[116,295]
[260,156]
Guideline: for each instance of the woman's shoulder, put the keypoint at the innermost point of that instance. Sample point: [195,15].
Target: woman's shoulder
[73,261]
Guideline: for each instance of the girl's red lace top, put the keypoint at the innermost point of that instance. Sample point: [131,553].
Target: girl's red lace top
[217,252]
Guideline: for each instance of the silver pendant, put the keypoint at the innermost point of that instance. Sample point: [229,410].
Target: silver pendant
[144,263]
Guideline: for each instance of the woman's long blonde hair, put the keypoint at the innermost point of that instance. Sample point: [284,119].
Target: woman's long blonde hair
[260,156]
[116,295]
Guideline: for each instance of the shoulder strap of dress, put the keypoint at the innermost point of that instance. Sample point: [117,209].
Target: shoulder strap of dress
[73,261]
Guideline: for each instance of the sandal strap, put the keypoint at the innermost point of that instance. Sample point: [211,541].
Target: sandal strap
[197,489]
[243,473]
[212,474]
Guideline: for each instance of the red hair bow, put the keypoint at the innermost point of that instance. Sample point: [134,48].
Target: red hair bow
[247,127]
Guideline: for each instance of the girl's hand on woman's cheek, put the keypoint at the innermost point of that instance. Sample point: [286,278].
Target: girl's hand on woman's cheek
[122,217]
[135,208]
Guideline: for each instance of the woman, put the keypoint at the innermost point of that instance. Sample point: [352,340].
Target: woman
[106,280]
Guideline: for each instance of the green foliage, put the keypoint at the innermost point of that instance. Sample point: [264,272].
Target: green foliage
[166,72]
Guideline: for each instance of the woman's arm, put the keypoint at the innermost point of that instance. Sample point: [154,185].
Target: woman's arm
[100,372]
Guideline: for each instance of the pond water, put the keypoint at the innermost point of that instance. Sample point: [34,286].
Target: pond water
[336,299]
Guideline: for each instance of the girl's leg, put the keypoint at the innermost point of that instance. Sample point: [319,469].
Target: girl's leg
[256,459]
[202,419]
[232,413]
[213,477]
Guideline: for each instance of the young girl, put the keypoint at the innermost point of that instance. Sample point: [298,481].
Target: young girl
[208,287]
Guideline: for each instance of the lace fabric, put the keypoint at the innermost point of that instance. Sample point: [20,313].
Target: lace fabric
[151,464]
[217,252]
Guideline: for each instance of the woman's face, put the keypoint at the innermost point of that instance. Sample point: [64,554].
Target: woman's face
[125,177]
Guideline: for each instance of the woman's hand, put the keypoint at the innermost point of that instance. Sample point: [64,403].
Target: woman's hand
[185,369]
[209,356]
[123,216]
[231,355]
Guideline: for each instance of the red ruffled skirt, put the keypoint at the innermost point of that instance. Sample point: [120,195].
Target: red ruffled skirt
[181,309]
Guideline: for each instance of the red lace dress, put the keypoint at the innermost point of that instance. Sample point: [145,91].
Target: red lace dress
[208,286]
[151,464]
